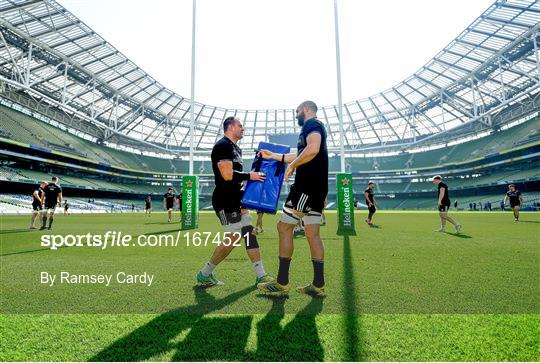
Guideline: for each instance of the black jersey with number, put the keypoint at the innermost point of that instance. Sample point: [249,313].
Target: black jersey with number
[313,175]
[514,197]
[52,191]
[446,195]
[169,199]
[227,192]
[369,199]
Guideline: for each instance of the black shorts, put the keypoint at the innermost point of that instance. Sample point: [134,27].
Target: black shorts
[512,205]
[37,206]
[305,201]
[444,207]
[170,206]
[148,206]
[227,217]
[372,209]
[50,206]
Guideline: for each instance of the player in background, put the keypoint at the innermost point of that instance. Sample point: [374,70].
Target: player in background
[259,225]
[148,205]
[38,197]
[169,200]
[444,204]
[53,197]
[179,202]
[370,202]
[516,199]
[66,207]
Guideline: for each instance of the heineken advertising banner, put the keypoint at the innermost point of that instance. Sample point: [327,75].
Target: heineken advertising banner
[345,205]
[190,202]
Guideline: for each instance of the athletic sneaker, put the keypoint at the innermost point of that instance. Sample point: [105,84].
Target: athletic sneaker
[311,290]
[458,228]
[516,220]
[41,228]
[440,230]
[208,281]
[273,287]
[32,227]
[263,279]
[259,230]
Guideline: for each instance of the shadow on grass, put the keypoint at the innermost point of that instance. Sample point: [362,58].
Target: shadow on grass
[158,336]
[529,222]
[187,334]
[352,324]
[375,226]
[18,230]
[30,251]
[459,235]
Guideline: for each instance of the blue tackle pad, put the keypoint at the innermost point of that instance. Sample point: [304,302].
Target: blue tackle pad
[264,196]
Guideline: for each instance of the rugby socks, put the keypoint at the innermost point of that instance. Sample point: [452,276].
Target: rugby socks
[208,268]
[43,221]
[283,271]
[50,222]
[259,269]
[318,272]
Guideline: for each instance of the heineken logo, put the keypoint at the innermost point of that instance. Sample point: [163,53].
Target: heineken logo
[189,183]
[189,206]
[345,204]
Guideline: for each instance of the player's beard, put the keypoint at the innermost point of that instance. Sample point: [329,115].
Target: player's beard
[301,119]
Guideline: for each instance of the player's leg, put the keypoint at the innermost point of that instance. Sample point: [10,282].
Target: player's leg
[51,216]
[44,215]
[516,212]
[292,214]
[169,213]
[232,227]
[442,216]
[312,221]
[252,248]
[35,213]
[259,225]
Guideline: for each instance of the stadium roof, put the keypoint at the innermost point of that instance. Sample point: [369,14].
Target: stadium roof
[55,63]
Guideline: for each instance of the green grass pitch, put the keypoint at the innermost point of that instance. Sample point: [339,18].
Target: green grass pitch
[397,292]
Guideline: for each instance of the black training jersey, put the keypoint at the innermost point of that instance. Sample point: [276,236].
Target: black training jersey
[39,193]
[225,149]
[169,198]
[514,196]
[313,176]
[369,199]
[446,196]
[52,191]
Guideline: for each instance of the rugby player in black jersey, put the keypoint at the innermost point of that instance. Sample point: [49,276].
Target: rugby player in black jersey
[514,196]
[169,200]
[53,197]
[38,197]
[306,200]
[227,166]
[370,202]
[444,204]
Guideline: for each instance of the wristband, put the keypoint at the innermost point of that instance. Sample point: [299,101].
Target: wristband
[239,176]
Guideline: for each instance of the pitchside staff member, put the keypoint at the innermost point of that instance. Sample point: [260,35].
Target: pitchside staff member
[179,201]
[53,196]
[370,201]
[444,204]
[515,198]
[169,199]
[305,200]
[228,176]
[37,203]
